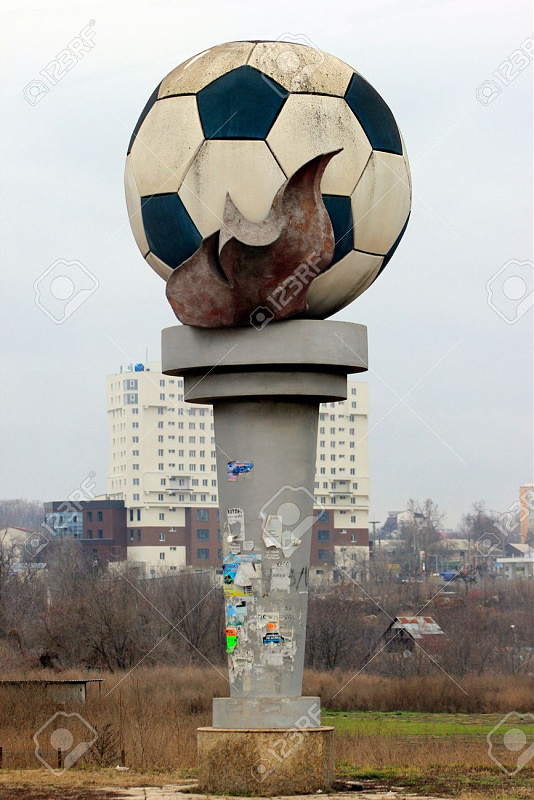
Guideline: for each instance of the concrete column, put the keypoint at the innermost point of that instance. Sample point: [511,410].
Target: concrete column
[266,387]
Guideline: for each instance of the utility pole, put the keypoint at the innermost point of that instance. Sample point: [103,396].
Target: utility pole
[374,523]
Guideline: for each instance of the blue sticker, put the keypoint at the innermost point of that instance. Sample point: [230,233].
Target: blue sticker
[239,469]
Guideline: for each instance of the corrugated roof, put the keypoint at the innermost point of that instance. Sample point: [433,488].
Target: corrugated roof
[417,626]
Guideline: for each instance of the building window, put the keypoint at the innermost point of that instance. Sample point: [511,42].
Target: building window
[100,534]
[172,549]
[323,516]
[138,535]
[135,467]
[162,556]
[161,467]
[323,536]
[135,452]
[160,498]
[163,481]
[161,516]
[99,516]
[131,536]
[203,534]
[131,514]
[353,537]
[89,516]
[135,481]
[89,534]
[162,537]
[324,555]
[203,514]
[203,554]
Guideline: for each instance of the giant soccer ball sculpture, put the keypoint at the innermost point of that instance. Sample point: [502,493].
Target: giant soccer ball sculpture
[267,183]
[242,118]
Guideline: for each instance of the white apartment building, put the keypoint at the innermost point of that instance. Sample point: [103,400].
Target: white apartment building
[163,465]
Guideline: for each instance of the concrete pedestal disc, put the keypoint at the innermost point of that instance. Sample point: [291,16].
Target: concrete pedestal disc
[265,762]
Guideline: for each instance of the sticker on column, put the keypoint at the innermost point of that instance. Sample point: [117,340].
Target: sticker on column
[242,662]
[270,620]
[236,611]
[281,576]
[242,574]
[236,524]
[231,639]
[274,638]
[240,470]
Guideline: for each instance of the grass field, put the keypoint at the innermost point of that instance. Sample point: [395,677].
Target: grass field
[439,754]
[153,715]
[406,723]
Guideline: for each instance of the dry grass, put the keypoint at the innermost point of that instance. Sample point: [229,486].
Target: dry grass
[153,714]
[469,694]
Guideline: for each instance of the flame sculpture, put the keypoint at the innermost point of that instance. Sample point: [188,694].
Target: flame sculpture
[248,265]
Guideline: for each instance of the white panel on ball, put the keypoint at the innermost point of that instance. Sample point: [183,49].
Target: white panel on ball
[341,284]
[159,266]
[380,203]
[308,126]
[302,69]
[191,76]
[133,204]
[168,139]
[246,170]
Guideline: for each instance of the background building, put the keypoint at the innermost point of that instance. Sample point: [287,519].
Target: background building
[163,466]
[100,526]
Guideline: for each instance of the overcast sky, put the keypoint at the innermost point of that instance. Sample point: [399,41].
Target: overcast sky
[464,430]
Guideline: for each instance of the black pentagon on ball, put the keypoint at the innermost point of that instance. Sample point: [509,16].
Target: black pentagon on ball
[171,233]
[242,104]
[374,115]
[340,213]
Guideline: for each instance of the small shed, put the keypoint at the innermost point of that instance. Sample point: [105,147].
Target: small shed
[403,632]
[64,690]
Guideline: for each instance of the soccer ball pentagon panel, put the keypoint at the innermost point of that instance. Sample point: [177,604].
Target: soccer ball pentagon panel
[241,118]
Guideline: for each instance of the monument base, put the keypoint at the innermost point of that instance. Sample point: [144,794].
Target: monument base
[266,712]
[265,762]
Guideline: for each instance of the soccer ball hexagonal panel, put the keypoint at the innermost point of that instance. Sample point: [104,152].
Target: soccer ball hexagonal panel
[342,283]
[165,144]
[246,170]
[300,68]
[309,125]
[380,203]
[200,70]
